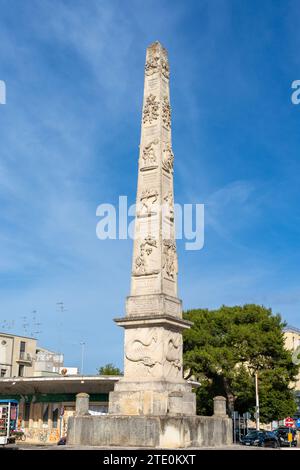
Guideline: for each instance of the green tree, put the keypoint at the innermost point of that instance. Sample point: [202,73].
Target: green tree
[109,369]
[225,348]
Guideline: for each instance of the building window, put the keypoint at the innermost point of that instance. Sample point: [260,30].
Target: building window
[2,372]
[21,370]
[22,349]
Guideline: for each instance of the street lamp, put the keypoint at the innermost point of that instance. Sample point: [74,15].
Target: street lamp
[257,401]
[82,344]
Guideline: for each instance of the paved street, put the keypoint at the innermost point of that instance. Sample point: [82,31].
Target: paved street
[24,447]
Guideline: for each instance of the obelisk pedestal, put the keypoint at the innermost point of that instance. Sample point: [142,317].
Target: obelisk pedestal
[153,323]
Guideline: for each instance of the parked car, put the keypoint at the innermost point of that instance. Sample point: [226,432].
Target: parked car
[282,435]
[261,439]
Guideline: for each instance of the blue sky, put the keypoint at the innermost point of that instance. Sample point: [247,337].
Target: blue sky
[69,137]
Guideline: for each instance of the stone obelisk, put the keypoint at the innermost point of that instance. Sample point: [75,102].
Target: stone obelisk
[152,405]
[153,378]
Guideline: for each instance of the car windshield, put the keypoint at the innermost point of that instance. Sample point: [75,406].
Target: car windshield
[254,434]
[284,433]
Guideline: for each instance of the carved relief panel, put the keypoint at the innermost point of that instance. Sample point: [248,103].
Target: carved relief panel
[148,159]
[151,108]
[145,261]
[147,202]
[153,352]
[168,158]
[166,113]
[169,263]
[157,60]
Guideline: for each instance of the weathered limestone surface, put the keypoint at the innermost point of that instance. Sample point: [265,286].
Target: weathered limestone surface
[151,431]
[82,404]
[220,406]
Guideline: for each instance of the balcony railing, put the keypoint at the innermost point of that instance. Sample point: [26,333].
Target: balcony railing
[24,357]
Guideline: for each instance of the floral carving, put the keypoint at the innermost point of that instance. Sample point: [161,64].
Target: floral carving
[151,107]
[166,113]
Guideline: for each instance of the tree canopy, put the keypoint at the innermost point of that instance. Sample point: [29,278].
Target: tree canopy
[109,369]
[225,348]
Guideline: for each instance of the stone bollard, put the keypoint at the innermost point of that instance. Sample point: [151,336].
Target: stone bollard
[82,404]
[220,406]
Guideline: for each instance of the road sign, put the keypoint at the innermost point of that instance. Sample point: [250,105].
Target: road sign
[298,423]
[289,422]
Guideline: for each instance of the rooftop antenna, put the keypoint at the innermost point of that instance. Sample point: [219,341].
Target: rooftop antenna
[25,325]
[6,325]
[35,325]
[60,308]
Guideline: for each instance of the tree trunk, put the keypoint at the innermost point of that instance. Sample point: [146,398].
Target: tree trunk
[230,397]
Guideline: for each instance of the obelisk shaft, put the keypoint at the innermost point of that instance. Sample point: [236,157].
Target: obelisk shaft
[153,323]
[154,268]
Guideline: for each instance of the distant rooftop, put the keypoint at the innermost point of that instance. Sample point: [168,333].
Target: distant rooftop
[292,329]
[3,333]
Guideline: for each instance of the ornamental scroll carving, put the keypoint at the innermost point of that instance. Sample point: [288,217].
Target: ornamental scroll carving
[166,113]
[169,258]
[151,108]
[141,263]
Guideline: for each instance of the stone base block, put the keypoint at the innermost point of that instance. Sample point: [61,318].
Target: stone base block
[156,398]
[149,431]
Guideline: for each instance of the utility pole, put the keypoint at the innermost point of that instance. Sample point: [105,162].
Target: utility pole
[257,401]
[82,344]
